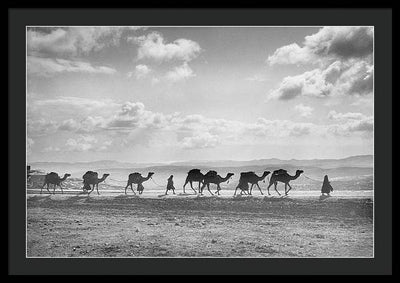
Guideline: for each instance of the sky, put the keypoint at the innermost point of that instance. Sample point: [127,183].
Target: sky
[164,94]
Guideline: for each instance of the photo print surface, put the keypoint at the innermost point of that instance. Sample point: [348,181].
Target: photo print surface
[207,141]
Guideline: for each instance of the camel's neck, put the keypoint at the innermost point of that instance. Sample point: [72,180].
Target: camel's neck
[146,178]
[262,177]
[63,178]
[226,178]
[102,178]
[295,176]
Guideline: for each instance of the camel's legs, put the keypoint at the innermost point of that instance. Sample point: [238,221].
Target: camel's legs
[54,189]
[166,192]
[251,188]
[290,187]
[276,183]
[202,188]
[91,190]
[61,189]
[185,185]
[127,185]
[192,187]
[270,184]
[285,188]
[235,191]
[208,188]
[259,188]
[97,188]
[133,189]
[218,189]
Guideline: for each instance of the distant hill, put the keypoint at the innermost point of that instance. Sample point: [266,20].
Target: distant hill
[353,161]
[335,165]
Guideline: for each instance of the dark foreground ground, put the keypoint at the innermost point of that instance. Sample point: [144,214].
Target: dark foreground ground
[129,226]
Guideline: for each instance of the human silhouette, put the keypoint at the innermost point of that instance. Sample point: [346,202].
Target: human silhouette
[170,185]
[326,186]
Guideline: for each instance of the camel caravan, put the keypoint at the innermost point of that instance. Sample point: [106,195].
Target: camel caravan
[246,183]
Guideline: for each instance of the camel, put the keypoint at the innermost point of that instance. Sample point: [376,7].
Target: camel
[55,180]
[91,178]
[243,186]
[213,178]
[194,175]
[137,178]
[253,179]
[282,176]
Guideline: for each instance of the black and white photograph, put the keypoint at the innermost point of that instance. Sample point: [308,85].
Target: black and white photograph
[200,142]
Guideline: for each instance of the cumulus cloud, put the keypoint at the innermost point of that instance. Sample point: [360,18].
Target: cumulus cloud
[328,43]
[132,120]
[351,78]
[304,110]
[141,71]
[73,41]
[180,73]
[350,123]
[153,46]
[47,67]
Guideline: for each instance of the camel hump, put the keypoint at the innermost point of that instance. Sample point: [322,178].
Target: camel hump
[89,174]
[135,176]
[246,174]
[193,171]
[279,172]
[211,173]
[52,174]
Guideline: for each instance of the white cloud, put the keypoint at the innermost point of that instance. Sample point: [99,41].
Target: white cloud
[304,110]
[141,71]
[153,46]
[180,73]
[337,79]
[48,67]
[329,43]
[74,41]
[290,54]
[134,122]
[333,115]
[350,122]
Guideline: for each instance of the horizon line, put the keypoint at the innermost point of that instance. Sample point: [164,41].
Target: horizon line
[205,160]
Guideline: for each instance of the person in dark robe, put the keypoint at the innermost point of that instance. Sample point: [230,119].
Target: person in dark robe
[170,185]
[326,186]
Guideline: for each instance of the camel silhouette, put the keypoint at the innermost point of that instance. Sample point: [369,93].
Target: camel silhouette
[137,178]
[282,176]
[194,175]
[92,178]
[253,179]
[55,180]
[211,177]
[243,186]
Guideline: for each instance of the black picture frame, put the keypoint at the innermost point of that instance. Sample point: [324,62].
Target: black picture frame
[380,18]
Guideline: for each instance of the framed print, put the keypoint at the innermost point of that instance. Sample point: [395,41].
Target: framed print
[200,141]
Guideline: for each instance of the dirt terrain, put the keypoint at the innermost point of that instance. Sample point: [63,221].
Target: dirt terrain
[181,226]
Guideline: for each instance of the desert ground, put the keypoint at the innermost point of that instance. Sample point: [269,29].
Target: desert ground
[119,225]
